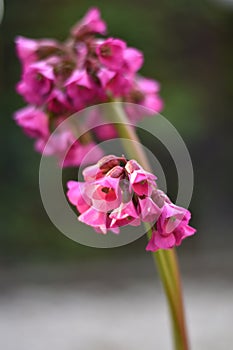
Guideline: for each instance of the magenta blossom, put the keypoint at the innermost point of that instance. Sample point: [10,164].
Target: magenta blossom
[62,78]
[117,193]
[77,196]
[83,154]
[125,214]
[79,89]
[106,132]
[58,102]
[31,50]
[37,83]
[90,24]
[69,151]
[133,60]
[33,121]
[111,53]
[172,228]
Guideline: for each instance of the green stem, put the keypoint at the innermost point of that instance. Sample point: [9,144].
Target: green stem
[166,260]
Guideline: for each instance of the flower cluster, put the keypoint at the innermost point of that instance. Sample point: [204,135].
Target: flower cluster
[117,192]
[61,78]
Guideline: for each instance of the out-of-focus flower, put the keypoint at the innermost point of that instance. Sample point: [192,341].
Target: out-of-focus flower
[58,102]
[83,154]
[79,89]
[37,83]
[146,93]
[33,121]
[69,151]
[111,53]
[62,78]
[117,193]
[31,50]
[133,60]
[91,23]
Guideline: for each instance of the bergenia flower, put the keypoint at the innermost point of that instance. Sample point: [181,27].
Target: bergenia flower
[62,78]
[172,228]
[111,53]
[118,192]
[69,151]
[91,23]
[31,50]
[33,121]
[37,83]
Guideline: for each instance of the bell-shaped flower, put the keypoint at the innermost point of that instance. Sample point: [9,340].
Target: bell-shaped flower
[91,23]
[33,121]
[111,53]
[125,214]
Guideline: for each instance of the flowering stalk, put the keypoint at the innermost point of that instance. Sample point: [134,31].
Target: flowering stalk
[61,78]
[166,260]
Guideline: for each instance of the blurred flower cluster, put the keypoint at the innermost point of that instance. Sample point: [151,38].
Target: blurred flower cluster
[61,78]
[117,192]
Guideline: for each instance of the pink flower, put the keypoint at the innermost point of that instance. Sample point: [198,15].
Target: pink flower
[31,50]
[133,59]
[33,121]
[111,53]
[141,181]
[79,89]
[95,218]
[149,210]
[77,197]
[90,24]
[125,214]
[159,242]
[106,132]
[105,75]
[112,196]
[37,83]
[160,198]
[119,86]
[172,218]
[57,144]
[172,228]
[26,49]
[108,189]
[145,92]
[114,83]
[92,173]
[150,94]
[104,166]
[105,194]
[132,165]
[62,78]
[69,151]
[82,154]
[58,102]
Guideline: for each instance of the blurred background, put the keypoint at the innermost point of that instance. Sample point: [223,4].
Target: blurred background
[57,294]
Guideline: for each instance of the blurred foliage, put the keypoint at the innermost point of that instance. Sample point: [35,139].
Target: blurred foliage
[187,47]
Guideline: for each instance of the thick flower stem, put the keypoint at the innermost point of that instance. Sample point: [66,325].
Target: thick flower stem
[166,260]
[170,278]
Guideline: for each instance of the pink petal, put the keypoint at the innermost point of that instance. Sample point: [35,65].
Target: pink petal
[94,218]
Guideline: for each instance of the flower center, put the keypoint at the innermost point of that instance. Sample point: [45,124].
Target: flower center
[106,51]
[105,189]
[106,193]
[39,77]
